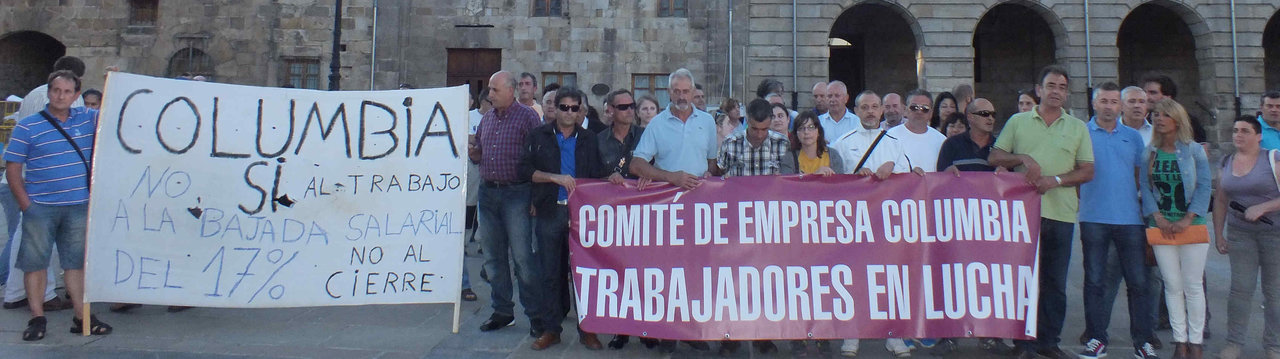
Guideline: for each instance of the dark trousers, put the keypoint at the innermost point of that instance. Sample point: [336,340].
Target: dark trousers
[1129,241]
[552,229]
[1055,259]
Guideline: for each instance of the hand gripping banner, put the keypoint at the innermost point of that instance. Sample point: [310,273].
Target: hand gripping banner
[790,257]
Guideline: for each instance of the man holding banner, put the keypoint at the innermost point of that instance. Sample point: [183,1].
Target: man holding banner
[55,146]
[682,143]
[755,152]
[1053,150]
[555,154]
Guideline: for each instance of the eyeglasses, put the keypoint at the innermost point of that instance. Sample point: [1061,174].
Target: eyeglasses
[569,108]
[807,128]
[624,106]
[919,108]
[984,113]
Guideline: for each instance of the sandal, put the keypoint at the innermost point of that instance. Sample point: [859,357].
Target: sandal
[35,329]
[469,295]
[96,327]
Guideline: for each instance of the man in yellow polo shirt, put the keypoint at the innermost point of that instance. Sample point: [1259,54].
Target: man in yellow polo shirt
[1053,149]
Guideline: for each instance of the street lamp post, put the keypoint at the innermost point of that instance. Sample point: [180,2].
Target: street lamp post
[335,64]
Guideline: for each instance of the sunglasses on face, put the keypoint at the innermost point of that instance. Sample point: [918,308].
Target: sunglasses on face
[919,108]
[569,108]
[624,106]
[985,113]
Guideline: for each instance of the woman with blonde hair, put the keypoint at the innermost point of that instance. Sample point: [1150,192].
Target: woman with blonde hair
[1175,200]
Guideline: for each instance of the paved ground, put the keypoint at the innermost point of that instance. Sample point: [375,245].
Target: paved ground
[423,331]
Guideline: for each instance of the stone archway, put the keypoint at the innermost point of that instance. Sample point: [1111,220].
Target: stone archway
[874,46]
[1011,44]
[26,59]
[1164,38]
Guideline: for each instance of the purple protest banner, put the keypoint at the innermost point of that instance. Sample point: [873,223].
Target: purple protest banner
[790,257]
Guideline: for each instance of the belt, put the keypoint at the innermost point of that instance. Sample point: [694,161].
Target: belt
[497,184]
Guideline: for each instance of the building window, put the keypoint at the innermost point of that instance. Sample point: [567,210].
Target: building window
[303,73]
[673,8]
[143,12]
[651,84]
[562,78]
[190,62]
[546,8]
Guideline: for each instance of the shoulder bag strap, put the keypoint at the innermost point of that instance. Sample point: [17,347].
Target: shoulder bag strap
[867,154]
[84,161]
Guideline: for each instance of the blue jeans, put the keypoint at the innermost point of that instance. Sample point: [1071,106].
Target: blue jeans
[43,226]
[10,206]
[1155,287]
[506,237]
[552,239]
[1130,244]
[1055,259]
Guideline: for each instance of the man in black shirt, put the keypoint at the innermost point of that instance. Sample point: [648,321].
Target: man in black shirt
[969,150]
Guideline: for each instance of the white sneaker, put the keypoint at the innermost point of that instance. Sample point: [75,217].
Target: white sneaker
[898,347]
[849,348]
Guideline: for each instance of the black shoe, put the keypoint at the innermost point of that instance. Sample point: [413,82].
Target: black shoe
[764,346]
[497,321]
[15,305]
[667,347]
[649,343]
[619,342]
[698,345]
[995,346]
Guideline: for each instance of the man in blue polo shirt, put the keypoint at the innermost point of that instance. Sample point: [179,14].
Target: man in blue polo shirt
[1110,214]
[1270,119]
[54,195]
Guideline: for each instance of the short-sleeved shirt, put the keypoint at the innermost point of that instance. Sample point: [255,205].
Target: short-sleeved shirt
[55,174]
[674,145]
[501,139]
[966,155]
[1111,196]
[833,129]
[739,158]
[847,150]
[1056,147]
[1270,136]
[921,148]
[617,154]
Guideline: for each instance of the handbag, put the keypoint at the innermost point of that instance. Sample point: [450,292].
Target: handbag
[1194,234]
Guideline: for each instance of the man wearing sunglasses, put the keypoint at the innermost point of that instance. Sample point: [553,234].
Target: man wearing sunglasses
[554,156]
[968,151]
[919,141]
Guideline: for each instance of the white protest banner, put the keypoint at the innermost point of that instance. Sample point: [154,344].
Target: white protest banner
[218,195]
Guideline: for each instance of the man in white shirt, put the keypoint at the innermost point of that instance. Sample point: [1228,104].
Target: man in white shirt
[887,157]
[920,142]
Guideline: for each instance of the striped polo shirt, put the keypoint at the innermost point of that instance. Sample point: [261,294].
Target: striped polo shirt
[54,173]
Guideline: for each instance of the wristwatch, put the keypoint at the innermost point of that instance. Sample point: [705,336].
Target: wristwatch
[1058,179]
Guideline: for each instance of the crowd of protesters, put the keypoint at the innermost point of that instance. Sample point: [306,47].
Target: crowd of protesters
[1135,178]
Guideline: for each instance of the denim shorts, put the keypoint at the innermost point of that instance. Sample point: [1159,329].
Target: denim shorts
[43,226]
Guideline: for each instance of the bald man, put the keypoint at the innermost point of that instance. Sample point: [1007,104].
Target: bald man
[819,98]
[839,120]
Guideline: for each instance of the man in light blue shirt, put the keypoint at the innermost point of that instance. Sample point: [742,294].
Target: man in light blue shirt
[1110,214]
[838,120]
[1270,120]
[681,141]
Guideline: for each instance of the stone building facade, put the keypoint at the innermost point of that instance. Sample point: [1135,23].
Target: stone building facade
[883,45]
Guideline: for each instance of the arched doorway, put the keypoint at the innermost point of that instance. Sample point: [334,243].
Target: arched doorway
[190,61]
[1154,39]
[873,46]
[26,59]
[1271,51]
[1011,43]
